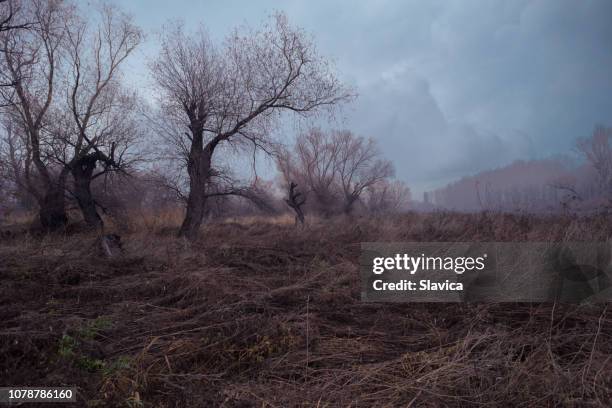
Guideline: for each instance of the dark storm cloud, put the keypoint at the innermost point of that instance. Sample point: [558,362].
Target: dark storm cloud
[449,87]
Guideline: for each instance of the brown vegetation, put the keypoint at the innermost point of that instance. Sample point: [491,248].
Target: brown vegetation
[149,312]
[259,313]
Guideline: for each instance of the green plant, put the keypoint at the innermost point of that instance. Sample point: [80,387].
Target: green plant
[90,364]
[91,329]
[121,363]
[67,345]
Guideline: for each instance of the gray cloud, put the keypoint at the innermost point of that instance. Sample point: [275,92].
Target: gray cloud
[449,87]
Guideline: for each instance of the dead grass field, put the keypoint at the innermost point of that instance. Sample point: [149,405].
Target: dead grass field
[259,314]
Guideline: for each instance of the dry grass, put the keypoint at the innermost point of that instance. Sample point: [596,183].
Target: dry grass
[260,314]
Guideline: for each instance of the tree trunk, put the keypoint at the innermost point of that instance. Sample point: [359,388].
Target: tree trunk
[349,204]
[198,168]
[52,211]
[82,173]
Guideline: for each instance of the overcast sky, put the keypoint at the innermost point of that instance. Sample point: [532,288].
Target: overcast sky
[447,88]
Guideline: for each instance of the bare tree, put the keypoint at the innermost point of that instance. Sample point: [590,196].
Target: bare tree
[236,94]
[359,166]
[597,150]
[30,65]
[336,168]
[313,165]
[387,197]
[66,95]
[103,123]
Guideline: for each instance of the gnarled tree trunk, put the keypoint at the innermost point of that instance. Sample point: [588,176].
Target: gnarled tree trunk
[296,200]
[52,211]
[349,203]
[198,167]
[82,172]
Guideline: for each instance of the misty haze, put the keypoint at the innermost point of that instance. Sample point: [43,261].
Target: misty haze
[191,194]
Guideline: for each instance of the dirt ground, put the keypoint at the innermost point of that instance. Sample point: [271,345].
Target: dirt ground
[259,314]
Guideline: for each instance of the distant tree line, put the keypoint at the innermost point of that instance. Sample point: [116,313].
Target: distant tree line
[562,184]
